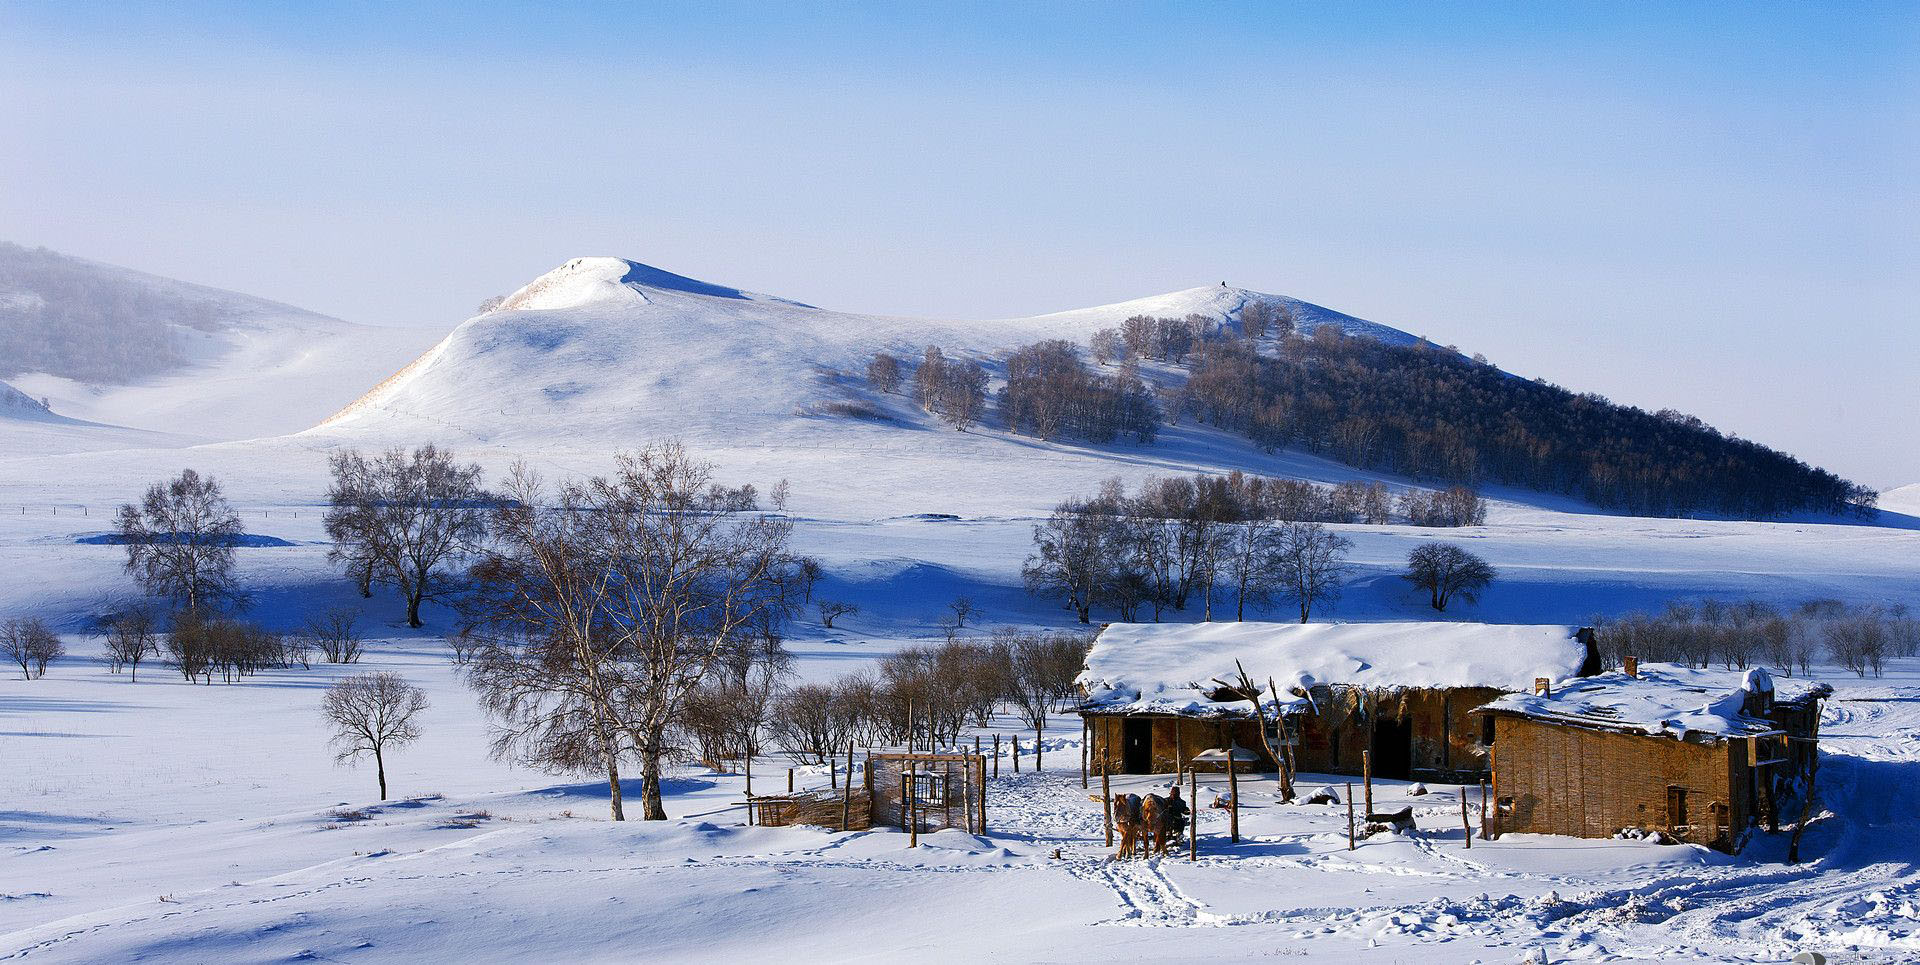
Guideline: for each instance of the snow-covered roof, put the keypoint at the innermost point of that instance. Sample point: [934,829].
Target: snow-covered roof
[1665,699]
[1172,668]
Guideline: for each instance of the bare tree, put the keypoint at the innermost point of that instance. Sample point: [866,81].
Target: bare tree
[371,713]
[540,655]
[1069,559]
[883,371]
[1446,571]
[810,723]
[831,610]
[963,610]
[180,541]
[404,518]
[1312,564]
[336,635]
[26,641]
[132,635]
[616,600]
[44,647]
[1043,669]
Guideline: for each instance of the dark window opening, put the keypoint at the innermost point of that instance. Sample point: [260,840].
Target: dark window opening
[1486,729]
[1676,806]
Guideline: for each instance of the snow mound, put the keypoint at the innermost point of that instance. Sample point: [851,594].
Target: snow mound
[1904,500]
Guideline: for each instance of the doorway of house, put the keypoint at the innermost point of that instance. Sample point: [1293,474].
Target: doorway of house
[1393,749]
[1136,745]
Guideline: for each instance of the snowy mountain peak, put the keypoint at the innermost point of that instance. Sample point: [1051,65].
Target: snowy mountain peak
[607,282]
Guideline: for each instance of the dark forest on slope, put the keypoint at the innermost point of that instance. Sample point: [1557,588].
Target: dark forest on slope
[1413,410]
[1429,413]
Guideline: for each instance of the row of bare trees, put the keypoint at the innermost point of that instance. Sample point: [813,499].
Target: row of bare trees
[1738,634]
[201,645]
[1180,541]
[919,696]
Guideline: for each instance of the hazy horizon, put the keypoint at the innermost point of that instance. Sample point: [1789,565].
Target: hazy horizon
[1708,209]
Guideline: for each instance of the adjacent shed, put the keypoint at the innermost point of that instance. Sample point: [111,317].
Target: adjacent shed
[1154,694]
[1695,755]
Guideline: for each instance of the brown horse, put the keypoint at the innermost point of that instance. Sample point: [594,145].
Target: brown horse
[1127,820]
[1165,818]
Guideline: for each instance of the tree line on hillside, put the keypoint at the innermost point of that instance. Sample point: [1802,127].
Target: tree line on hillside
[73,319]
[1417,411]
[1743,633]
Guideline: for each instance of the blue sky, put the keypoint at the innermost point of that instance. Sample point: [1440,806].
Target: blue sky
[1689,205]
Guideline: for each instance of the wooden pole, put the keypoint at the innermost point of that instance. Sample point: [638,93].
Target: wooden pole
[982,762]
[1483,810]
[1085,729]
[1016,752]
[1466,824]
[1106,805]
[749,809]
[913,826]
[1285,763]
[1349,815]
[789,780]
[1233,793]
[846,793]
[1366,776]
[1193,815]
[996,757]
[966,800]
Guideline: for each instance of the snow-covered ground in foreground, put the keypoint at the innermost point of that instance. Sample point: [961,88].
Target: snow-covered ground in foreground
[166,821]
[162,821]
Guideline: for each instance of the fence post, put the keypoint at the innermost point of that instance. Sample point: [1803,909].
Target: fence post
[1085,728]
[913,826]
[982,762]
[1233,794]
[1015,738]
[1106,805]
[1465,823]
[1193,813]
[1349,815]
[996,757]
[1366,776]
[1483,810]
[846,792]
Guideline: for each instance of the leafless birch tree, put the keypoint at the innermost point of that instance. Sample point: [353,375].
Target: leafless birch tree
[371,713]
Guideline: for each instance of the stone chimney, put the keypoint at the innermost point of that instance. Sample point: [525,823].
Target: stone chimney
[1631,665]
[1542,687]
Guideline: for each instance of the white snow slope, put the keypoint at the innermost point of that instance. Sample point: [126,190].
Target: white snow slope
[162,821]
[253,368]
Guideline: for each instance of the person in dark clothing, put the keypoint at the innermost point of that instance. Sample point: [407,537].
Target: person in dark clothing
[1178,813]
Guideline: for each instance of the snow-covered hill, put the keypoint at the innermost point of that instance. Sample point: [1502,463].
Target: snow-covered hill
[603,353]
[604,348]
[118,347]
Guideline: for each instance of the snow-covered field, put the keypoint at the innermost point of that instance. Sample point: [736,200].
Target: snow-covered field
[164,821]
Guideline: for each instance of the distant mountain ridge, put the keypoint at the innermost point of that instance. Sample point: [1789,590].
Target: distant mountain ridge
[111,346]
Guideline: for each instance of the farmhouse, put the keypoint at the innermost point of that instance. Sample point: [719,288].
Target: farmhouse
[1155,694]
[1695,755]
